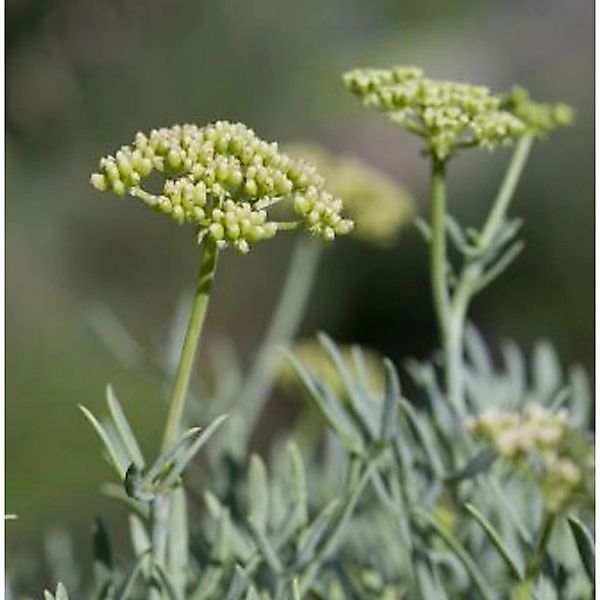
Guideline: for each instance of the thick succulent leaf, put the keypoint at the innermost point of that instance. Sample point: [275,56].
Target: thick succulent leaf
[167,584]
[168,457]
[581,397]
[546,370]
[124,430]
[314,533]
[367,419]
[511,560]
[123,592]
[389,415]
[424,437]
[460,551]
[60,594]
[258,496]
[332,414]
[102,552]
[109,445]
[505,260]
[267,550]
[298,487]
[239,583]
[178,553]
[480,463]
[477,351]
[182,459]
[585,546]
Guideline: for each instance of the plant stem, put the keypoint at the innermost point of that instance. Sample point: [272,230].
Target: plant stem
[206,273]
[450,326]
[284,324]
[451,312]
[438,265]
[506,191]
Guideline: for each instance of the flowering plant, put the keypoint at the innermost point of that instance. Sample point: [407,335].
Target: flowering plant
[460,493]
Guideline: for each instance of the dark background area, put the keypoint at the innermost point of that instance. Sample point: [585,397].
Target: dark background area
[83,76]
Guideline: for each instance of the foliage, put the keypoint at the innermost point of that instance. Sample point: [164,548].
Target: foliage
[479,486]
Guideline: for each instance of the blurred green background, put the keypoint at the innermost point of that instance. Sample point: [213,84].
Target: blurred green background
[82,76]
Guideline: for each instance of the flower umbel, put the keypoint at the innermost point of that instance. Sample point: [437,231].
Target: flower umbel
[379,206]
[223,179]
[449,115]
[544,445]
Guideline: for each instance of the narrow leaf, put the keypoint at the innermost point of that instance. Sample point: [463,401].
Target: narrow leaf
[336,421]
[511,561]
[480,463]
[265,547]
[389,414]
[585,546]
[124,429]
[313,535]
[258,497]
[424,437]
[460,551]
[124,590]
[113,453]
[186,457]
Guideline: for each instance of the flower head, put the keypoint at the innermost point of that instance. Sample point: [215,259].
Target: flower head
[543,445]
[224,180]
[449,115]
[378,205]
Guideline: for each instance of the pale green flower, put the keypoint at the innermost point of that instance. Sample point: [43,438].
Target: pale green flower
[224,180]
[449,115]
[378,205]
[543,445]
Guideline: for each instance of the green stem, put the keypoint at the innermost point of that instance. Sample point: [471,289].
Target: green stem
[438,265]
[506,191]
[451,313]
[284,324]
[449,323]
[208,265]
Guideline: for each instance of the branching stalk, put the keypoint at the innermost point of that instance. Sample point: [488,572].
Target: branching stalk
[451,309]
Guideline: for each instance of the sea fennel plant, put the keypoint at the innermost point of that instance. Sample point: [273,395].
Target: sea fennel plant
[479,487]
[227,183]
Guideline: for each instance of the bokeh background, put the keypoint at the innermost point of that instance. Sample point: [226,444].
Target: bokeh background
[83,75]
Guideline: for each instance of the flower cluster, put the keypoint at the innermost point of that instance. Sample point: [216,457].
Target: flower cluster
[223,179]
[540,118]
[378,205]
[312,354]
[448,115]
[543,444]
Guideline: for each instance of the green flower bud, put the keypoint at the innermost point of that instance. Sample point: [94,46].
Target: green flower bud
[450,116]
[226,167]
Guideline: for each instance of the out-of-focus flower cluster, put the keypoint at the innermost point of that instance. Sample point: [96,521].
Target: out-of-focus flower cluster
[540,118]
[378,205]
[545,445]
[311,354]
[450,116]
[223,179]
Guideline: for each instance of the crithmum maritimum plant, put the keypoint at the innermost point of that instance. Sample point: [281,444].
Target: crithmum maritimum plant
[460,493]
[227,183]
